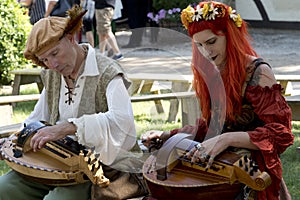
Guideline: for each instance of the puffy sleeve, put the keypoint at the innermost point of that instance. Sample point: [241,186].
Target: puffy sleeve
[275,136]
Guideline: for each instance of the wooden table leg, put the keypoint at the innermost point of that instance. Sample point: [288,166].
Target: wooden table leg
[16,85]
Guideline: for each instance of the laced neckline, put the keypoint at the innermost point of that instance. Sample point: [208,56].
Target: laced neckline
[71,83]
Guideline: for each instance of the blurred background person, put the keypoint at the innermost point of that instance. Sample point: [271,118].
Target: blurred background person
[137,19]
[89,20]
[104,11]
[36,9]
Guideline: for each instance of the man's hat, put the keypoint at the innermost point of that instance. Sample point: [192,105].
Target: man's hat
[48,31]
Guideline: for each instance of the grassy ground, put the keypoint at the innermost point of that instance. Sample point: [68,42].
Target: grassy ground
[146,118]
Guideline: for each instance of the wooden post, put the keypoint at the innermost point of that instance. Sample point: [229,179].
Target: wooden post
[190,110]
[174,103]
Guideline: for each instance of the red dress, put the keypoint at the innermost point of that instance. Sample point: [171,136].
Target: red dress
[269,129]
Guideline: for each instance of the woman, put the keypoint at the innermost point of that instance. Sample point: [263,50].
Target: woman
[254,115]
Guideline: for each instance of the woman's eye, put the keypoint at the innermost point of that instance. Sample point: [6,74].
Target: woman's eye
[199,44]
[211,41]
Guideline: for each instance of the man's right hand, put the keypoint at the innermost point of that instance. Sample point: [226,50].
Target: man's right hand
[148,137]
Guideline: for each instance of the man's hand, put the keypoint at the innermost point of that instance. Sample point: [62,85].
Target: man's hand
[148,137]
[51,133]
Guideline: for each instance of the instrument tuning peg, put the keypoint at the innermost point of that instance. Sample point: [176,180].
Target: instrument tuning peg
[84,151]
[251,172]
[17,153]
[255,168]
[251,163]
[246,168]
[93,168]
[97,155]
[240,163]
[245,158]
[24,125]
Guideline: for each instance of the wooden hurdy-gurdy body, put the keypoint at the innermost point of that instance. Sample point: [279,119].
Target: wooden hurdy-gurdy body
[62,162]
[170,175]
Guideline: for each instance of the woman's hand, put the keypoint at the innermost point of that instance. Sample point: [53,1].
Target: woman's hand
[150,136]
[209,149]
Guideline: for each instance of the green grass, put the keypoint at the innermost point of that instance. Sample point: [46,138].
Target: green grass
[146,118]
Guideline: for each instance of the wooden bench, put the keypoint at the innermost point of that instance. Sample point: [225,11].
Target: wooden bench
[294,103]
[142,84]
[6,105]
[189,102]
[26,76]
[7,130]
[285,79]
[190,107]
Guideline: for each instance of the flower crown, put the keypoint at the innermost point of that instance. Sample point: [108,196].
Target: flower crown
[209,11]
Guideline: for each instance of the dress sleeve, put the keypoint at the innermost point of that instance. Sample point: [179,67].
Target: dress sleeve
[271,107]
[275,136]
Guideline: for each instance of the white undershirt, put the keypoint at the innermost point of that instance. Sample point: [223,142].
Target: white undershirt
[110,132]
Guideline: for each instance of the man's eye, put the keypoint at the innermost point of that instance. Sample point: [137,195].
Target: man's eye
[43,60]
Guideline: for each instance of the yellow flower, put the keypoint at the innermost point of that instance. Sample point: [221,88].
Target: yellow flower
[235,17]
[209,11]
[205,10]
[187,16]
[238,22]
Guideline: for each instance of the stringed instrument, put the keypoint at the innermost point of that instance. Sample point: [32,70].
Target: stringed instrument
[59,163]
[169,174]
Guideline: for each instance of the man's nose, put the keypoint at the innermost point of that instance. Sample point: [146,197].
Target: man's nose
[52,64]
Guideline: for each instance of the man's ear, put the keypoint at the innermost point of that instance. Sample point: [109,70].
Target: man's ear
[70,37]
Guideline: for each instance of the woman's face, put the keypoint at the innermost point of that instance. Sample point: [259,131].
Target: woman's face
[211,46]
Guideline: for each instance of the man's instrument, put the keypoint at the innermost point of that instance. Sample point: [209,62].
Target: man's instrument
[170,175]
[62,162]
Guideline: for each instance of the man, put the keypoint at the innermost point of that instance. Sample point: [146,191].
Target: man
[137,19]
[104,16]
[36,9]
[84,96]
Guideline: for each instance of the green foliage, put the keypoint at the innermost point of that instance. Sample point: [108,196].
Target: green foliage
[14,29]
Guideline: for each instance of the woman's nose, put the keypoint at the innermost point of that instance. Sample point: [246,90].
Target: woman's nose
[208,50]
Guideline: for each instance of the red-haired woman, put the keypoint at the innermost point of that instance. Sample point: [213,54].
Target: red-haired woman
[244,108]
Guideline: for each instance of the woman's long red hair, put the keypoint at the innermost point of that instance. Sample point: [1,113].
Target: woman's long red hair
[237,50]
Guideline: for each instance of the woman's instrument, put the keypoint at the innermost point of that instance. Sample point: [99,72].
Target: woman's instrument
[170,175]
[62,162]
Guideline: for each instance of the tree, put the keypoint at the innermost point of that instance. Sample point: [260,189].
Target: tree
[14,29]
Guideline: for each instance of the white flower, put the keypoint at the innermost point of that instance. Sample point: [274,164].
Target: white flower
[198,13]
[214,12]
[233,15]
